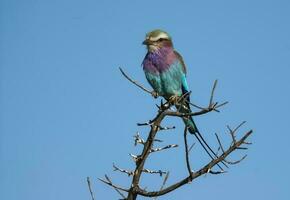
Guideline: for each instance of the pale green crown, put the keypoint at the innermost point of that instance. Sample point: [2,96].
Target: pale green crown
[157,34]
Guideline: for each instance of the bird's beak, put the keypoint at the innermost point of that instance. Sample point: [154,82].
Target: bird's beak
[147,42]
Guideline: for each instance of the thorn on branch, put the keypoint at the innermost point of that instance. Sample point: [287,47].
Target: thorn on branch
[129,173]
[157,140]
[163,148]
[242,148]
[160,172]
[134,157]
[149,123]
[216,172]
[138,139]
[160,128]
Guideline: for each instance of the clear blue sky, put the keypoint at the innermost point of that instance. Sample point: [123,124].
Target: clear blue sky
[66,112]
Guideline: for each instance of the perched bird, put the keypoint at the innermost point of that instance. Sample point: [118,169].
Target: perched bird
[166,72]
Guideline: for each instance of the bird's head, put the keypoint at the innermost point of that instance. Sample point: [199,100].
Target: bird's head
[157,39]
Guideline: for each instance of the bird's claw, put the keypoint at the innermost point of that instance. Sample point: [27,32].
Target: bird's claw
[154,94]
[173,99]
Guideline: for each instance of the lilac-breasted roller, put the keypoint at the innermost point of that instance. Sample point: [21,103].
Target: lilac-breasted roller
[166,72]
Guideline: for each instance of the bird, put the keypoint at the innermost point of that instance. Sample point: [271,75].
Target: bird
[165,71]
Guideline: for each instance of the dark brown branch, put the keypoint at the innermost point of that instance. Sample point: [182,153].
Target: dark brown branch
[132,195]
[90,188]
[200,172]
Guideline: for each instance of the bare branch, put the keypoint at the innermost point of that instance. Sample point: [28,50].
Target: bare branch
[90,188]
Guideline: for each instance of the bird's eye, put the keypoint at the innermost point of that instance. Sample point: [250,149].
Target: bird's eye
[160,39]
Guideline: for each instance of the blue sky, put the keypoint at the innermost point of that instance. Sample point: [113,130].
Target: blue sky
[67,113]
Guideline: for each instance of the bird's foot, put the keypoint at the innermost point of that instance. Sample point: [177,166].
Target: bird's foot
[174,99]
[154,94]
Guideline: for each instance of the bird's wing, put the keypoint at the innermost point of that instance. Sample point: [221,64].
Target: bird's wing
[179,57]
[184,85]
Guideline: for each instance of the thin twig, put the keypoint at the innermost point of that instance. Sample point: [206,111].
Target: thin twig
[145,123]
[161,128]
[134,157]
[164,182]
[117,188]
[154,172]
[220,144]
[212,93]
[190,148]
[90,188]
[237,161]
[138,139]
[134,82]
[129,173]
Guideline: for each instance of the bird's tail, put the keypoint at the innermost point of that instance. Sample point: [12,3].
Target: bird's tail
[192,128]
